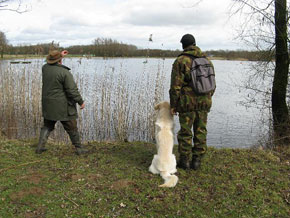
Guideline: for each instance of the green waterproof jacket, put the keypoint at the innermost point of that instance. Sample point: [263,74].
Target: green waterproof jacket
[182,97]
[59,93]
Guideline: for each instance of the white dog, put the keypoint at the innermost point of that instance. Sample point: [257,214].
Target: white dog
[164,162]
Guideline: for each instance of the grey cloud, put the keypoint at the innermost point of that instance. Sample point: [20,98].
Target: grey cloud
[169,17]
[36,35]
[70,21]
[34,30]
[30,34]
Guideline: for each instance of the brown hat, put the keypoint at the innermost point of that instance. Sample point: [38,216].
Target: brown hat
[54,57]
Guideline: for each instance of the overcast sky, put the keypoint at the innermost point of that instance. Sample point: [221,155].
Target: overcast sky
[75,22]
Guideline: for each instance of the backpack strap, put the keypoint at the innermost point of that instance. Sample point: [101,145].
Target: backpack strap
[191,56]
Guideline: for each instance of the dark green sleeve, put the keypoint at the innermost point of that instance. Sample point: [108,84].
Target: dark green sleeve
[177,80]
[71,89]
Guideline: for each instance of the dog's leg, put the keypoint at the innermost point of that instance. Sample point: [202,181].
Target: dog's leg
[152,167]
[169,180]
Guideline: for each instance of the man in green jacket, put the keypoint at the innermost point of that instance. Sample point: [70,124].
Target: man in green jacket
[59,98]
[191,107]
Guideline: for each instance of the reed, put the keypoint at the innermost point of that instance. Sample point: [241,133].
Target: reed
[118,107]
[20,99]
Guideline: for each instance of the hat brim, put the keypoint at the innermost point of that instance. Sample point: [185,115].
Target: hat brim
[50,61]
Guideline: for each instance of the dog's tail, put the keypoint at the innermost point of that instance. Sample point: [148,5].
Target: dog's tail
[169,180]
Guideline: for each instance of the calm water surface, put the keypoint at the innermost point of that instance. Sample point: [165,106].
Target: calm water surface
[229,123]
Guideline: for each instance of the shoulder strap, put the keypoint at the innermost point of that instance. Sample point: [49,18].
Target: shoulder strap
[192,57]
[189,55]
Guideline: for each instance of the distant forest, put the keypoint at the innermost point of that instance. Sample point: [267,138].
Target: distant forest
[103,47]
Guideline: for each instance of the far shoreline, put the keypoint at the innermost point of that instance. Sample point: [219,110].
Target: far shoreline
[25,57]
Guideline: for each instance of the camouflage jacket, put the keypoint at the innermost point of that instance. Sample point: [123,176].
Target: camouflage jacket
[182,97]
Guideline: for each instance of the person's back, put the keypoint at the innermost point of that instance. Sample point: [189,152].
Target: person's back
[181,91]
[191,106]
[59,97]
[59,93]
[53,79]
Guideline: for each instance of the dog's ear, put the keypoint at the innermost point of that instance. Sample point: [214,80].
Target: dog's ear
[156,107]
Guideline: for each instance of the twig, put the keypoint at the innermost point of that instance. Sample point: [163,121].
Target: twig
[71,200]
[20,165]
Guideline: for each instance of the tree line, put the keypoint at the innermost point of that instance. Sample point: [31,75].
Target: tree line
[106,47]
[101,47]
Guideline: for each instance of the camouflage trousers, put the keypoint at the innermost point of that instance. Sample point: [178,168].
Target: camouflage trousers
[196,120]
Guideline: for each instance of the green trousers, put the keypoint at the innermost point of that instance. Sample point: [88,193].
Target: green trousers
[70,127]
[196,120]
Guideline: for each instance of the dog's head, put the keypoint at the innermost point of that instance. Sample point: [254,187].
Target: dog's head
[161,105]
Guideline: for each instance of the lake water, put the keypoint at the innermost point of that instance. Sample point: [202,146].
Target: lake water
[120,94]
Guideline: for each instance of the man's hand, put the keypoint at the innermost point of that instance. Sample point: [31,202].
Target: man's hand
[64,53]
[173,112]
[83,106]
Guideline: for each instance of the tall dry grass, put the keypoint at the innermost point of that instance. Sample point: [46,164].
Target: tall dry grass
[20,114]
[117,108]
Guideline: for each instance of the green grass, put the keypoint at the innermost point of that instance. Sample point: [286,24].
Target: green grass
[113,181]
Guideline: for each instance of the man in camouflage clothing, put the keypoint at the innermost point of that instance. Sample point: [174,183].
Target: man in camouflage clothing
[192,108]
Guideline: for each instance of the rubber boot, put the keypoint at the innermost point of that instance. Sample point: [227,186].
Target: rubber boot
[195,162]
[44,133]
[75,140]
[183,162]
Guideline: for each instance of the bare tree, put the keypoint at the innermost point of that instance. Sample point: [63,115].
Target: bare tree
[13,5]
[279,105]
[264,28]
[3,43]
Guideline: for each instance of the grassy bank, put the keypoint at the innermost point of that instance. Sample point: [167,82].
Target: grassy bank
[114,181]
